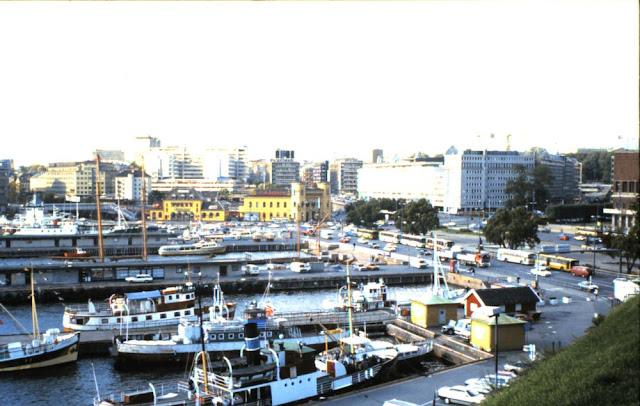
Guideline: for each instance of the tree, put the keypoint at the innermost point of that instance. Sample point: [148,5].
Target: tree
[366,213]
[155,197]
[525,185]
[420,217]
[512,228]
[224,194]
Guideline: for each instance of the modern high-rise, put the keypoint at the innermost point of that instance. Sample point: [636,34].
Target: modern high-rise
[476,180]
[626,186]
[128,185]
[6,171]
[283,170]
[315,172]
[344,176]
[565,174]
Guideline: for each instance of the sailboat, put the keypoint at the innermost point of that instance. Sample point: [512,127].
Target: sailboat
[42,350]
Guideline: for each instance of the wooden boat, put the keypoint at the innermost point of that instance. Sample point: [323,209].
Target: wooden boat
[76,253]
[154,308]
[49,349]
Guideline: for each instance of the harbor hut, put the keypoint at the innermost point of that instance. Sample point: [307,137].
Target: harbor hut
[511,332]
[520,299]
[433,311]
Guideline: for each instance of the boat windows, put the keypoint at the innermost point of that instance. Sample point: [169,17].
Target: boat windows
[149,317]
[176,314]
[134,318]
[119,320]
[221,336]
[163,316]
[170,297]
[241,335]
[231,336]
[269,334]
[105,321]
[262,334]
[187,313]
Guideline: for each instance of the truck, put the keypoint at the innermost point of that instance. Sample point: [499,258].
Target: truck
[300,267]
[463,328]
[418,263]
[479,259]
[326,234]
[251,270]
[624,288]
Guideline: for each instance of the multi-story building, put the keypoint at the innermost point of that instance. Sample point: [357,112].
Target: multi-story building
[6,172]
[257,172]
[565,173]
[476,180]
[189,205]
[75,179]
[315,172]
[344,176]
[310,203]
[142,146]
[283,170]
[403,180]
[377,156]
[110,155]
[129,185]
[200,185]
[267,205]
[626,186]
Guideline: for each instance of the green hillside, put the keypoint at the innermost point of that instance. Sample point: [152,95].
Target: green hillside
[601,368]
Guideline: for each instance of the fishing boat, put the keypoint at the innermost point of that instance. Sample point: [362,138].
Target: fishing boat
[154,308]
[197,248]
[42,350]
[370,296]
[76,253]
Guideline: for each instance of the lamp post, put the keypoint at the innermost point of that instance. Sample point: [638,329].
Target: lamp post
[595,238]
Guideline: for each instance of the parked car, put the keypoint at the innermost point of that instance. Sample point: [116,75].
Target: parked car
[140,278]
[391,247]
[545,230]
[564,237]
[460,394]
[449,328]
[587,286]
[362,240]
[423,252]
[541,271]
[489,381]
[580,270]
[517,367]
[373,245]
[345,239]
[580,238]
[372,267]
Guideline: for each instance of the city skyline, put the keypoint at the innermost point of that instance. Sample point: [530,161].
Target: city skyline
[325,80]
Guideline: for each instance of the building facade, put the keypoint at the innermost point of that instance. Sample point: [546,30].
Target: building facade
[626,186]
[266,205]
[283,170]
[129,185]
[565,173]
[344,176]
[6,172]
[403,180]
[189,205]
[310,202]
[75,179]
[476,180]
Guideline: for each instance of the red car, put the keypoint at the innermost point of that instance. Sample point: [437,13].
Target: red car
[345,239]
[564,237]
[583,271]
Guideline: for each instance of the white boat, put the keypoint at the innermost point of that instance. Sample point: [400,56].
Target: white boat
[197,248]
[369,296]
[136,310]
[49,349]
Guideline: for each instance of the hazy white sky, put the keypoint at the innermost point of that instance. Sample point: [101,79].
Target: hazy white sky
[325,79]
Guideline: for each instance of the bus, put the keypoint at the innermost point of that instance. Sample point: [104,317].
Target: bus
[588,231]
[390,236]
[367,233]
[441,243]
[418,241]
[516,256]
[556,262]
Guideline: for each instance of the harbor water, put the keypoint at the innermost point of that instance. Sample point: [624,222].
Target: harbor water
[74,384]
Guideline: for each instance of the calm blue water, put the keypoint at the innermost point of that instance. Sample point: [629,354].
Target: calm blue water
[74,384]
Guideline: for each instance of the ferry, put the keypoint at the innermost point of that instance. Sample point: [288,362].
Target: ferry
[197,248]
[137,310]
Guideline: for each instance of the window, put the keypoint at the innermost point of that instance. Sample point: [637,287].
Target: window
[176,314]
[105,321]
[134,318]
[149,317]
[163,316]
[232,336]
[220,336]
[187,312]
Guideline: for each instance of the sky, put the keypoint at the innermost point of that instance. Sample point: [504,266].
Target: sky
[325,79]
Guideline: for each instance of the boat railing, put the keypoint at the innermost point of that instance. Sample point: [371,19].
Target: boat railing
[219,381]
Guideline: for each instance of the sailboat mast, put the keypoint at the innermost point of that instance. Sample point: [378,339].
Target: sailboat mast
[34,313]
[350,307]
[144,215]
[101,246]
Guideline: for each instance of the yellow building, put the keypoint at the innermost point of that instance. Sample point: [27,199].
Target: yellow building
[511,333]
[312,203]
[189,206]
[433,312]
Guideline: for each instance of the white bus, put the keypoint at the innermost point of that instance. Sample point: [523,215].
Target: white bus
[441,243]
[418,241]
[390,236]
[516,256]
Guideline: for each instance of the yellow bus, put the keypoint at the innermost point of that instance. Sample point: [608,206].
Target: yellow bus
[556,262]
[367,233]
[588,231]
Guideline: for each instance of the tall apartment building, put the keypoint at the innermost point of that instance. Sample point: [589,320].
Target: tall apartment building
[344,176]
[565,171]
[403,180]
[142,146]
[316,172]
[310,203]
[626,186]
[75,179]
[377,156]
[476,180]
[110,155]
[128,185]
[6,171]
[283,170]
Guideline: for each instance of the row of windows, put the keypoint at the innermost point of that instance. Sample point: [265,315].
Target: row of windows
[627,186]
[264,204]
[148,317]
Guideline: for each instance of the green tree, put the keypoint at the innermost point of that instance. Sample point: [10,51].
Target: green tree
[419,217]
[224,194]
[527,184]
[512,228]
[366,213]
[155,197]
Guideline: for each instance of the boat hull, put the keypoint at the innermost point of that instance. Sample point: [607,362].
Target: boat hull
[65,352]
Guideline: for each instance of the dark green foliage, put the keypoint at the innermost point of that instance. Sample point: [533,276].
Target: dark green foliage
[582,212]
[512,228]
[418,217]
[526,185]
[596,166]
[365,214]
[600,368]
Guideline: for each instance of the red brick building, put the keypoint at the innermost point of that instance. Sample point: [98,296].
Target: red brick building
[626,185]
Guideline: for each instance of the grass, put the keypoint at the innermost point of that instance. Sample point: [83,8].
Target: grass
[601,368]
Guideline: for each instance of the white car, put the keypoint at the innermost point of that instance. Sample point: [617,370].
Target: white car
[390,247]
[488,382]
[588,286]
[463,395]
[140,278]
[362,240]
[541,272]
[373,245]
[580,238]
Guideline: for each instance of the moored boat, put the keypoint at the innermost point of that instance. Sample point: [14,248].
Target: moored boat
[197,248]
[137,310]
